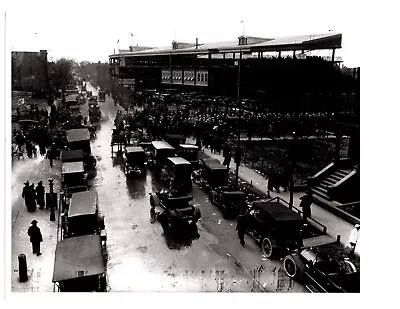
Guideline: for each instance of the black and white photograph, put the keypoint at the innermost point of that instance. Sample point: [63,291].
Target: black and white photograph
[182,146]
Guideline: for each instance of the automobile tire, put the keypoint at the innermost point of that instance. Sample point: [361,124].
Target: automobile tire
[154,201]
[268,247]
[294,266]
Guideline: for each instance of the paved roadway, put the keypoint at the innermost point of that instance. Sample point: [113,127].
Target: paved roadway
[140,258]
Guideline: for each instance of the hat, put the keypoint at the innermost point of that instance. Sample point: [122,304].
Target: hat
[357,226]
[34,222]
[40,182]
[26,183]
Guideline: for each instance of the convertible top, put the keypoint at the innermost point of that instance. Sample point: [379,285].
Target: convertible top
[161,145]
[83,203]
[213,164]
[179,161]
[76,135]
[277,211]
[71,155]
[72,167]
[80,256]
[188,146]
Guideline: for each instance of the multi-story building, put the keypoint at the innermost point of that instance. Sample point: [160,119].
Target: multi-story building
[270,68]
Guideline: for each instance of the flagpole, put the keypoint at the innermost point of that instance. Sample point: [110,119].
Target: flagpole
[131,39]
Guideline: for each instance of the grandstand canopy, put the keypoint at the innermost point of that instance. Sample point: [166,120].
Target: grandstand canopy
[330,40]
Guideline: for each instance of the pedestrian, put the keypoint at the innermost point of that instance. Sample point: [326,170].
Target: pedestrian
[29,149]
[26,194]
[49,156]
[306,202]
[241,227]
[40,195]
[35,237]
[34,150]
[42,149]
[353,238]
[33,196]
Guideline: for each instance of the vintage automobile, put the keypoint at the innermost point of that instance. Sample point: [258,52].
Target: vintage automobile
[94,112]
[175,139]
[213,174]
[79,265]
[73,178]
[189,152]
[89,163]
[275,227]
[322,269]
[79,139]
[177,212]
[230,202]
[82,216]
[158,153]
[176,173]
[134,160]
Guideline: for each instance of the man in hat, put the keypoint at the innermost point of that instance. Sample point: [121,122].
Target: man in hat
[33,196]
[354,238]
[50,156]
[35,237]
[241,226]
[306,202]
[26,194]
[40,195]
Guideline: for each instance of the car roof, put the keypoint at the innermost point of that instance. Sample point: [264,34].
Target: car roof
[188,146]
[75,135]
[72,167]
[131,149]
[277,211]
[83,203]
[175,136]
[78,256]
[213,164]
[233,193]
[161,145]
[178,161]
[71,155]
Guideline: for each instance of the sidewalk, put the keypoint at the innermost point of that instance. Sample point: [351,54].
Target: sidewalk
[335,225]
[40,268]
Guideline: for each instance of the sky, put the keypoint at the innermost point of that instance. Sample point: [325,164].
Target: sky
[89,30]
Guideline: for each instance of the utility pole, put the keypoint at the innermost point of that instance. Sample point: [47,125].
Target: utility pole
[238,151]
[291,167]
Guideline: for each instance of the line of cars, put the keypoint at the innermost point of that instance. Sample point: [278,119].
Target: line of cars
[281,232]
[80,258]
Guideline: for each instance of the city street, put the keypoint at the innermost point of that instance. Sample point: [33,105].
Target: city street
[141,259]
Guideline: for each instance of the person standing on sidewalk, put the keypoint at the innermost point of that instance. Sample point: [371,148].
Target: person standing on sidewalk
[35,237]
[49,156]
[354,238]
[306,202]
[26,194]
[40,194]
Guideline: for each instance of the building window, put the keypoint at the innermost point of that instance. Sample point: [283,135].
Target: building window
[205,76]
[198,77]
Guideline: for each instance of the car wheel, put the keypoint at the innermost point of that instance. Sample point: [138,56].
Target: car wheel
[294,266]
[268,247]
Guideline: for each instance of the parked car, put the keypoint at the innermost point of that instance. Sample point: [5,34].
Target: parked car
[79,265]
[134,160]
[321,271]
[230,202]
[275,227]
[213,174]
[158,153]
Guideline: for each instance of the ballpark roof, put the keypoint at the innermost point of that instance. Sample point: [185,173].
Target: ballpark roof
[76,135]
[83,203]
[300,42]
[78,256]
[72,167]
[178,160]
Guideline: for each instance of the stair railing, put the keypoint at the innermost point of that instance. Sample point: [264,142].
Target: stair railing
[317,177]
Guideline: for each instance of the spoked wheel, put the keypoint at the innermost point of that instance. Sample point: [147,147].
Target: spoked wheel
[294,266]
[267,247]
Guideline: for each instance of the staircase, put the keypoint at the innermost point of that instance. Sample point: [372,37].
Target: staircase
[320,188]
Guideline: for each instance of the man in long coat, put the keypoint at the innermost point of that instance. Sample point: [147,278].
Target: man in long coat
[33,197]
[35,237]
[26,194]
[40,195]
